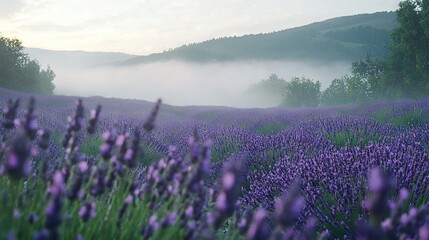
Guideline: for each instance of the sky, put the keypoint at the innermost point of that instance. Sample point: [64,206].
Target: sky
[148,26]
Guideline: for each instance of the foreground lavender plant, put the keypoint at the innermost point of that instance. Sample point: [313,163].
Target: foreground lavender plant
[17,163]
[177,198]
[30,122]
[53,217]
[9,113]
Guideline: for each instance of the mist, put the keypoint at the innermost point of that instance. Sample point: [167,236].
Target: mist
[183,83]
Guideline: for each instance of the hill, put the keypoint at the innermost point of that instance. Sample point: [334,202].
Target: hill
[344,38]
[75,58]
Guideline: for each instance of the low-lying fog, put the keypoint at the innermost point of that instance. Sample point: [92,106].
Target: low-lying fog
[181,83]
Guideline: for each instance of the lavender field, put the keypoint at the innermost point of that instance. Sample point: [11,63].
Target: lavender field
[137,170]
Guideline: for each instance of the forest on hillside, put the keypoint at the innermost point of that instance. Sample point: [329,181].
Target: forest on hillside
[404,73]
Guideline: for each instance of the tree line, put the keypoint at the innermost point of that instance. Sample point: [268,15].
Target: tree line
[19,72]
[403,74]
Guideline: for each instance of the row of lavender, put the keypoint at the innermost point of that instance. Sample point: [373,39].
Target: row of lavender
[332,176]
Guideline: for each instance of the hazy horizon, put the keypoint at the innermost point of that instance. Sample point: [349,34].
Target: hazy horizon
[145,27]
[185,83]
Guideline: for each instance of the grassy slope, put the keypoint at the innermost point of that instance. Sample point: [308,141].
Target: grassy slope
[296,43]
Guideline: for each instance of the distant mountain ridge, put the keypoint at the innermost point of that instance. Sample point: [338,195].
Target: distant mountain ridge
[339,39]
[75,58]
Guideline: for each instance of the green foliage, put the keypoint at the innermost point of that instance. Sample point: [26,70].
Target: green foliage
[409,60]
[224,150]
[13,199]
[19,72]
[365,83]
[414,117]
[91,147]
[346,90]
[371,72]
[270,128]
[150,153]
[405,73]
[362,34]
[302,92]
[382,115]
[351,138]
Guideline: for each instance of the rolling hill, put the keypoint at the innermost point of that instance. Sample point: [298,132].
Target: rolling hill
[344,38]
[74,58]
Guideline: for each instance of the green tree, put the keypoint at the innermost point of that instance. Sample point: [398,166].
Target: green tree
[346,90]
[19,72]
[371,73]
[409,60]
[336,93]
[302,92]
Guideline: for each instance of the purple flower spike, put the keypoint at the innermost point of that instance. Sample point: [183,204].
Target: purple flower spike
[93,119]
[379,185]
[150,122]
[87,211]
[30,124]
[424,231]
[45,136]
[41,235]
[32,218]
[259,228]
[9,114]
[17,163]
[289,206]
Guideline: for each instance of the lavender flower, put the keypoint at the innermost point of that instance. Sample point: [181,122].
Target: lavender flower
[289,206]
[106,148]
[32,218]
[30,122]
[76,121]
[53,217]
[9,114]
[424,231]
[17,163]
[131,153]
[98,185]
[127,202]
[379,185]
[259,228]
[16,214]
[93,119]
[150,122]
[44,135]
[42,235]
[225,203]
[87,211]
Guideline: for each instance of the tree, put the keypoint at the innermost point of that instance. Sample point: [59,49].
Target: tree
[409,60]
[19,72]
[372,74]
[302,92]
[336,93]
[346,90]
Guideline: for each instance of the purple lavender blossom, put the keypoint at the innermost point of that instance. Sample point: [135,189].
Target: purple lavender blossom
[45,136]
[17,163]
[150,122]
[30,123]
[259,228]
[9,114]
[87,211]
[95,113]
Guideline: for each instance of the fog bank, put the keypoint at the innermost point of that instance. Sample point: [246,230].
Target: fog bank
[181,83]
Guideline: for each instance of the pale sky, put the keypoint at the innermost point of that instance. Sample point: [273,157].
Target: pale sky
[148,26]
